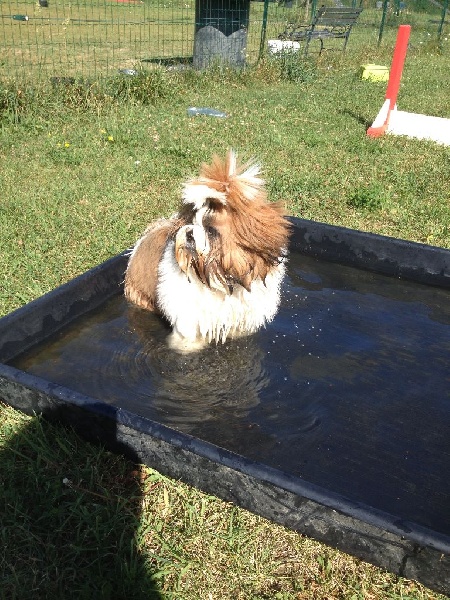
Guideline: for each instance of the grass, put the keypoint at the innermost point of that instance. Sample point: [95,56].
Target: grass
[78,522]
[84,169]
[69,514]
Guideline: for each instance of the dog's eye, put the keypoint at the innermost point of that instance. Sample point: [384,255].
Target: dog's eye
[213,204]
[213,234]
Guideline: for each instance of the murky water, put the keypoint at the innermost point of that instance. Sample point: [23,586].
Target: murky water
[348,388]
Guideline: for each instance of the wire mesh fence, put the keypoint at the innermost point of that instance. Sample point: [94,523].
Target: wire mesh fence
[95,38]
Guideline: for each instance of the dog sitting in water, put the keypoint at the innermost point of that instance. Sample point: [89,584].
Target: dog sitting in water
[214,269]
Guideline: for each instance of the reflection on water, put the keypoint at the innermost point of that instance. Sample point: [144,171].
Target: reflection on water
[348,388]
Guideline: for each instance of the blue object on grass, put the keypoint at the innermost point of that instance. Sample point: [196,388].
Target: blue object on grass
[210,112]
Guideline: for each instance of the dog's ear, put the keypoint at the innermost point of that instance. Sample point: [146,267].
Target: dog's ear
[141,276]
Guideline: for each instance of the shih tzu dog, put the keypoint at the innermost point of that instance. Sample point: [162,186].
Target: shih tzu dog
[214,269]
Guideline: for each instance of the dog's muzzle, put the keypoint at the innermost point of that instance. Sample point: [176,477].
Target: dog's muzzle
[191,247]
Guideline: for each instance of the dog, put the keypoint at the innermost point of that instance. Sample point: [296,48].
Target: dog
[214,269]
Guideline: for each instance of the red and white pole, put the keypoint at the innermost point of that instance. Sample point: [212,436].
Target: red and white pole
[398,60]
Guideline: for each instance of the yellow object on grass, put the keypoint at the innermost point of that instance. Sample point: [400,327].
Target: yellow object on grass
[375,73]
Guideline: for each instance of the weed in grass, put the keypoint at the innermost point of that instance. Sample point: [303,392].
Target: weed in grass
[94,96]
[145,88]
[142,88]
[81,95]
[289,66]
[370,197]
[13,102]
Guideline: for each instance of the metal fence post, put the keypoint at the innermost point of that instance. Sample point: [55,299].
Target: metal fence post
[264,29]
[441,24]
[383,18]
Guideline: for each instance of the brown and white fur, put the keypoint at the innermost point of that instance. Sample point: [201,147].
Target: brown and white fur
[214,269]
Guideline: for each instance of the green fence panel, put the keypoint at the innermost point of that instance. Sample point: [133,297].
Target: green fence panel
[96,38]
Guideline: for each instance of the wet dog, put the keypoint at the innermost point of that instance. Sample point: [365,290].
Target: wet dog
[215,268]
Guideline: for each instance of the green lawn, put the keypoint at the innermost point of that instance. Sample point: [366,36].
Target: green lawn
[84,169]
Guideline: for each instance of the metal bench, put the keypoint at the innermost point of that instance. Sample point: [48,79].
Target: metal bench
[329,22]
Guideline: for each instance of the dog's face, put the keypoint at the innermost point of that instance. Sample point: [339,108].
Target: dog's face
[231,235]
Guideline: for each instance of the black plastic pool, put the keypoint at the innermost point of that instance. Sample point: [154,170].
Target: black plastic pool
[334,420]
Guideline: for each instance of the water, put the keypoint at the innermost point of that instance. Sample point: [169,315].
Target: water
[348,388]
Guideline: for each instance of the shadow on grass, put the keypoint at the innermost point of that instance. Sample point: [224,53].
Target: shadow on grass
[69,513]
[173,62]
[357,117]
